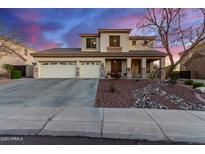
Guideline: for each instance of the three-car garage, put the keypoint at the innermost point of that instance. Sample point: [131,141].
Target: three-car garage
[69,69]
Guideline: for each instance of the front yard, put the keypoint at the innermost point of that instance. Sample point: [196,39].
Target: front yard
[154,94]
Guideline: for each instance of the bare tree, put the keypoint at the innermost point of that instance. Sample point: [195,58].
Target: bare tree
[173,28]
[8,41]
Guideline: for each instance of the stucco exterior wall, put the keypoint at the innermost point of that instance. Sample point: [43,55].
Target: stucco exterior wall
[83,44]
[189,55]
[108,66]
[197,68]
[124,67]
[104,41]
[14,59]
[139,45]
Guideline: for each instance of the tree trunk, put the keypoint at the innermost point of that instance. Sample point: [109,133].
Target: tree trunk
[172,67]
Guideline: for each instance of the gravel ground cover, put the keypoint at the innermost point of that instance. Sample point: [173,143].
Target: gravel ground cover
[154,94]
[203,96]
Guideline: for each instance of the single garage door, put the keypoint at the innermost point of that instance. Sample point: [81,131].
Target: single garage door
[89,69]
[58,70]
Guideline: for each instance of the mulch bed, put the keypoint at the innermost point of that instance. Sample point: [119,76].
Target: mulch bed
[123,97]
[4,81]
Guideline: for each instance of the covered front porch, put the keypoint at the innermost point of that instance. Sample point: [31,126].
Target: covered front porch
[135,67]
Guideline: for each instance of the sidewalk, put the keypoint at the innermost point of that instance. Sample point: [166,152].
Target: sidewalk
[152,125]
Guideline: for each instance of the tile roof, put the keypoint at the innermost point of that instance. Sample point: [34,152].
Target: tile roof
[104,30]
[88,35]
[198,54]
[76,52]
[142,38]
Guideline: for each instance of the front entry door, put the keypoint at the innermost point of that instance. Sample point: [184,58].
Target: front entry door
[116,68]
[135,68]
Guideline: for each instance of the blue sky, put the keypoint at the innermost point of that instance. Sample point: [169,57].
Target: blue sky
[49,28]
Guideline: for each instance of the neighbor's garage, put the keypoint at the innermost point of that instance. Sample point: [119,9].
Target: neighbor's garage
[58,70]
[89,70]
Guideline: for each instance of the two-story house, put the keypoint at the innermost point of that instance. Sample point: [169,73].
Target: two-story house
[108,53]
[18,55]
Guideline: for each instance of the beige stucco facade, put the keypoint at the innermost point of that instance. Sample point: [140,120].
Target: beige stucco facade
[197,67]
[194,61]
[116,55]
[189,55]
[139,45]
[20,55]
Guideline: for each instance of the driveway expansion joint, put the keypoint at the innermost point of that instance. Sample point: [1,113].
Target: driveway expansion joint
[102,124]
[158,125]
[50,119]
[194,115]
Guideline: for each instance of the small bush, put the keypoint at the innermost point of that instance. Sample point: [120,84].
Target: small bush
[16,74]
[174,76]
[198,84]
[112,87]
[189,82]
[8,69]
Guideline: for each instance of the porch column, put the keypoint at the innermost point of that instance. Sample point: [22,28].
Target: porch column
[102,70]
[36,71]
[151,66]
[144,67]
[129,75]
[77,69]
[162,68]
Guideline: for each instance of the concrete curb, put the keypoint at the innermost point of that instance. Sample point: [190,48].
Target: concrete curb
[118,123]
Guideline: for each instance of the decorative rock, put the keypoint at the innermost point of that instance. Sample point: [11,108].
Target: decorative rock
[200,90]
[143,99]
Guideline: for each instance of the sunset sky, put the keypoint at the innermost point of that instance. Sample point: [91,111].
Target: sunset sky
[50,28]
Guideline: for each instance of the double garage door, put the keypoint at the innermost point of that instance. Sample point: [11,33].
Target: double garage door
[69,70]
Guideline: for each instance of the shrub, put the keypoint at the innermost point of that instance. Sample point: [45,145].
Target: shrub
[8,69]
[189,82]
[15,74]
[112,87]
[174,76]
[198,84]
[173,81]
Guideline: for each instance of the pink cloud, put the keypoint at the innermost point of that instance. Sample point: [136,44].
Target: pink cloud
[33,33]
[29,16]
[48,44]
[128,21]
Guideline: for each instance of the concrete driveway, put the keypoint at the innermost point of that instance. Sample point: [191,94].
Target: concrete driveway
[50,93]
[27,106]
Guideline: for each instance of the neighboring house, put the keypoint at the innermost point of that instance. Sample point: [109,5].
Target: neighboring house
[194,61]
[102,55]
[18,55]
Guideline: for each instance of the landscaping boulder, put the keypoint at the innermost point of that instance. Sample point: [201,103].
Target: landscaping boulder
[200,90]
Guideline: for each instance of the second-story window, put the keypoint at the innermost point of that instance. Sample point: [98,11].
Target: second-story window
[114,41]
[134,43]
[145,43]
[91,43]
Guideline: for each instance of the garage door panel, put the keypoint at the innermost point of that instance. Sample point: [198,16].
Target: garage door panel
[59,70]
[90,70]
